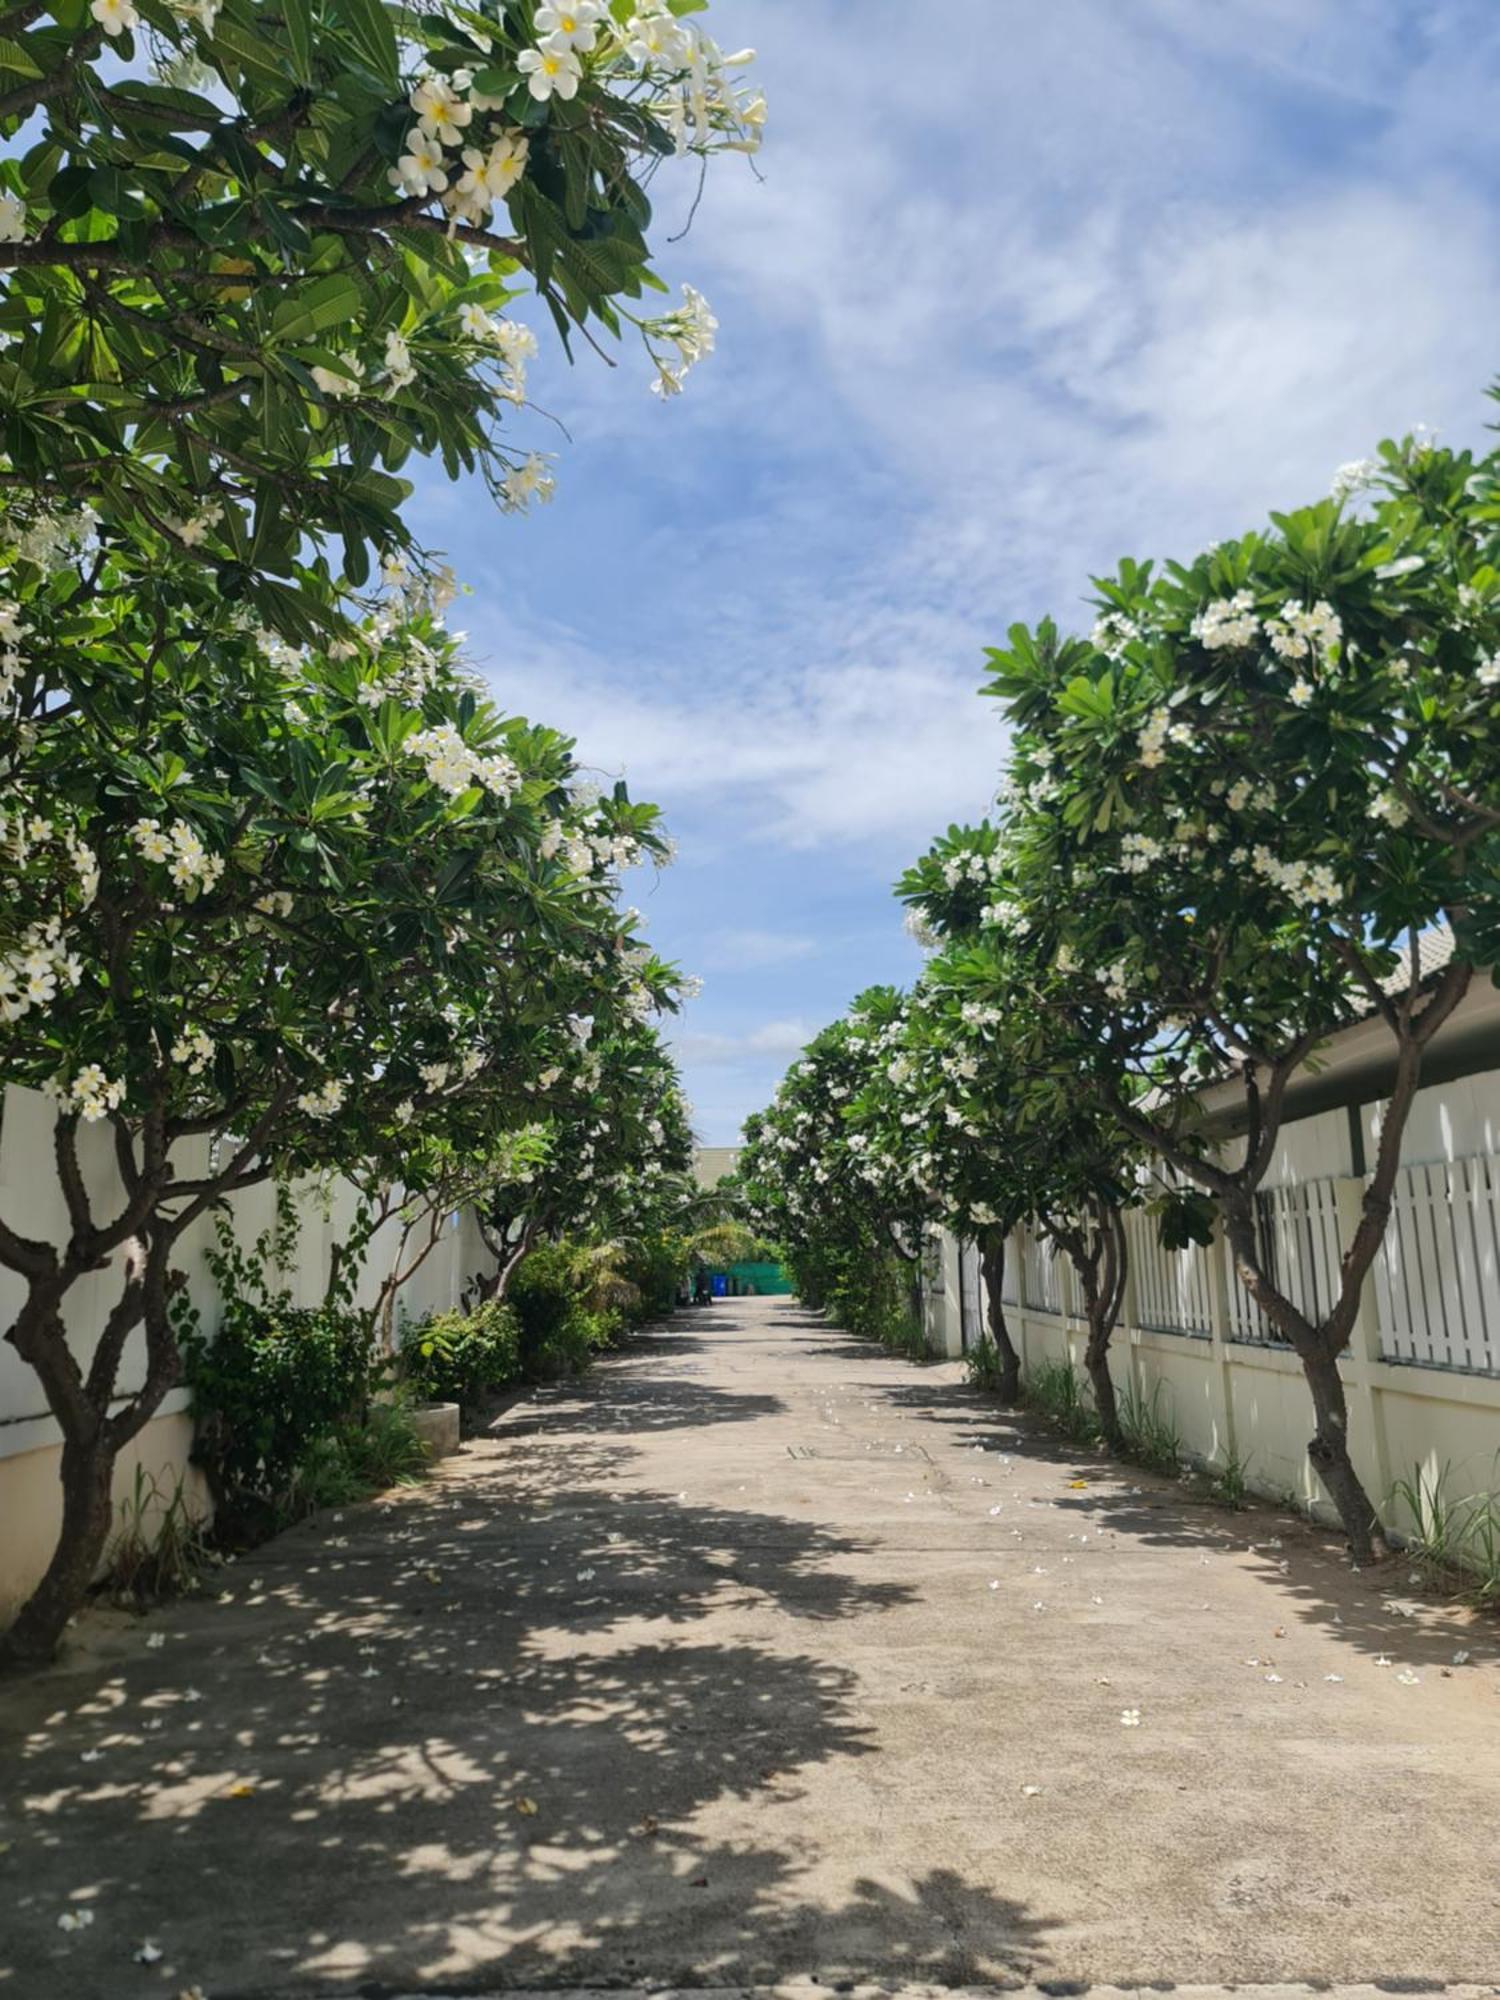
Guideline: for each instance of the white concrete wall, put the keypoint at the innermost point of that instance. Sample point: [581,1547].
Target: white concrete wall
[31,1203]
[1237,1398]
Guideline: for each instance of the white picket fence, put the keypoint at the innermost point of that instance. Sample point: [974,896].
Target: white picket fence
[1422,1369]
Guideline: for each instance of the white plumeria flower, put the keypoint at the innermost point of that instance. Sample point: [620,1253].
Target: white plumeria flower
[421,169]
[443,112]
[75,1920]
[336,382]
[12,218]
[399,367]
[1130,1718]
[526,482]
[576,24]
[553,69]
[115,17]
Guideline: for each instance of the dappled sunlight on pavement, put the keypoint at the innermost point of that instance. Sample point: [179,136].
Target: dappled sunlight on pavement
[760,1655]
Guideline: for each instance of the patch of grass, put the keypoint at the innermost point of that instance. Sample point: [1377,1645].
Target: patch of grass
[1455,1543]
[903,1335]
[1434,1536]
[1230,1482]
[984,1364]
[356,1460]
[1149,1433]
[1054,1391]
[160,1549]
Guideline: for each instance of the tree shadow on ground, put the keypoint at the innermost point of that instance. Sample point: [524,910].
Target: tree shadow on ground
[443,1737]
[1382,1611]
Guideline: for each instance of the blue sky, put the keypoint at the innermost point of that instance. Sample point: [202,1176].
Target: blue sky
[1022,288]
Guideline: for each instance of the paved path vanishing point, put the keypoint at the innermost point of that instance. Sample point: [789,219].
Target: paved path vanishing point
[761,1656]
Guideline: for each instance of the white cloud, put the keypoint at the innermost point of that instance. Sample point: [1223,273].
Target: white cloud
[773,1038]
[738,950]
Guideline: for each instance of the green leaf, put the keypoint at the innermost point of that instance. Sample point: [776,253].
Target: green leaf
[314,308]
[368,27]
[16,61]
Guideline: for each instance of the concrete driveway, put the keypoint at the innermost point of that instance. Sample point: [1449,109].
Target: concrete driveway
[761,1657]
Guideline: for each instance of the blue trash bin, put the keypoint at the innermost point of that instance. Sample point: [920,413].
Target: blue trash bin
[721,1285]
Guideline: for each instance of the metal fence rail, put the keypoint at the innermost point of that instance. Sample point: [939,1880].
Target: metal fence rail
[1437,1279]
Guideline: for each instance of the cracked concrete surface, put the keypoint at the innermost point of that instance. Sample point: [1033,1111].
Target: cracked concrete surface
[758,1659]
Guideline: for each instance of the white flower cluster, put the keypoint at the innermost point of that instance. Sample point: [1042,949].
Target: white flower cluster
[1302,634]
[194,1050]
[1227,623]
[1158,731]
[91,1094]
[453,767]
[1138,852]
[1355,477]
[1305,882]
[482,173]
[12,217]
[1243,792]
[1388,807]
[690,331]
[976,1014]
[919,930]
[528,481]
[13,629]
[52,539]
[189,863]
[1008,915]
[31,974]
[515,343]
[973,868]
[1488,675]
[584,852]
[324,1102]
[1115,979]
[704,102]
[1112,634]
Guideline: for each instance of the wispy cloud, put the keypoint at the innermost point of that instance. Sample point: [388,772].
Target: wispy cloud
[1134,274]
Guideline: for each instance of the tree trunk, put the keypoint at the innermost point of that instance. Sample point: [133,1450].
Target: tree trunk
[1328,1453]
[1096,1361]
[1317,1348]
[87,1475]
[992,1264]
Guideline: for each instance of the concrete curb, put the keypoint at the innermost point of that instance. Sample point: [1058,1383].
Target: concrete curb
[1047,1989]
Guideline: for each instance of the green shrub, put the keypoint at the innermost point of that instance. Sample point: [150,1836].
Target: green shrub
[458,1357]
[557,1334]
[656,1265]
[869,1291]
[265,1389]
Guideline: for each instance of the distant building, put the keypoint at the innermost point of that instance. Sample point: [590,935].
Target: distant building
[712,1163]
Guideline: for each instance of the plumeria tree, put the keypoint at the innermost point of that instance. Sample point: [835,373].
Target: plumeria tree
[606,1154]
[265,912]
[1240,805]
[255,258]
[843,1210]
